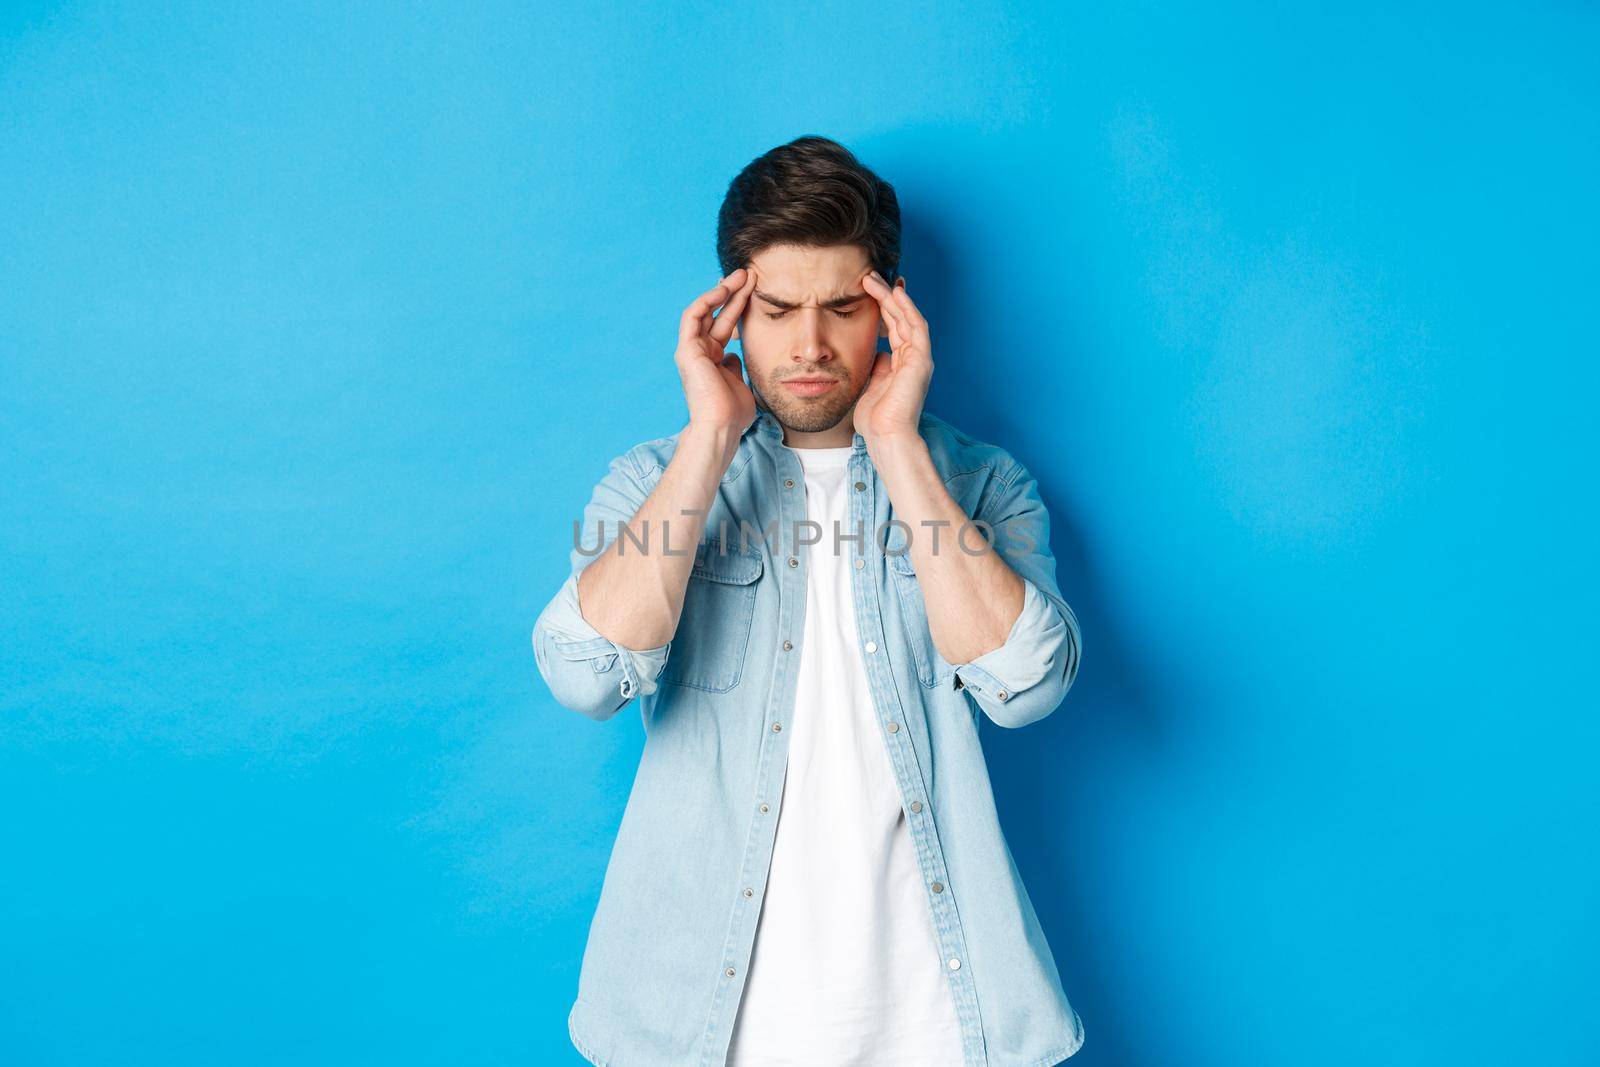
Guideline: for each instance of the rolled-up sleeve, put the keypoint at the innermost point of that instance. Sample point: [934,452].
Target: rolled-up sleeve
[1028,676]
[586,671]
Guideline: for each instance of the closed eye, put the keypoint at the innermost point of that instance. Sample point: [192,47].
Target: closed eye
[836,311]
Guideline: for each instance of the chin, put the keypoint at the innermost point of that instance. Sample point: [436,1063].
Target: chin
[809,418]
[809,422]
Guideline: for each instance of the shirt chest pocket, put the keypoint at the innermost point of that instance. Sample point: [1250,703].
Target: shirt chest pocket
[719,603]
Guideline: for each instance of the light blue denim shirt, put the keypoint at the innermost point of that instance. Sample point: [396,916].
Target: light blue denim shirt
[676,921]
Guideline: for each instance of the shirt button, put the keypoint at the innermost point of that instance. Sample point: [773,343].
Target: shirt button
[860,486]
[860,563]
[793,562]
[1001,694]
[872,646]
[916,805]
[893,727]
[955,964]
[777,726]
[765,809]
[749,892]
[788,483]
[788,646]
[729,971]
[937,888]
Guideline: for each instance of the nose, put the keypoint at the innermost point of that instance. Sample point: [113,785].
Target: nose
[811,344]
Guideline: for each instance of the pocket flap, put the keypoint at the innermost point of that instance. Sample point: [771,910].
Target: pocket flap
[727,561]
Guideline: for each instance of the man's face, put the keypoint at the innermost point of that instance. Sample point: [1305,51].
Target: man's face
[809,319]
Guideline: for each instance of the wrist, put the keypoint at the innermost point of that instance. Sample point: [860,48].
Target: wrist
[895,442]
[710,441]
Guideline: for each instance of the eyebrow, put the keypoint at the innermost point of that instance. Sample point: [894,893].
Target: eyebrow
[787,305]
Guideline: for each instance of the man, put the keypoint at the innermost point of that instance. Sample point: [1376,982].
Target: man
[814,589]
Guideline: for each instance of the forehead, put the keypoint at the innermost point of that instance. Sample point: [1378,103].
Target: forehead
[798,272]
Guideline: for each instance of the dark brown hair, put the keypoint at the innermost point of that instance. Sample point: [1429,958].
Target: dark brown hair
[812,192]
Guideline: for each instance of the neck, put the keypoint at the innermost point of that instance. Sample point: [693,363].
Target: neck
[831,438]
[840,435]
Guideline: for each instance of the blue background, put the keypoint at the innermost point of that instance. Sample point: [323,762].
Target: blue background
[316,327]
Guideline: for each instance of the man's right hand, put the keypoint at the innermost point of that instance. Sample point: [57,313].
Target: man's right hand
[720,403]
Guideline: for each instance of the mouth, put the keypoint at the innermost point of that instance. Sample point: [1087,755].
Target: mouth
[809,386]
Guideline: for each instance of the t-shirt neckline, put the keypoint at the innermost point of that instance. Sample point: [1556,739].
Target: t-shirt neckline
[824,457]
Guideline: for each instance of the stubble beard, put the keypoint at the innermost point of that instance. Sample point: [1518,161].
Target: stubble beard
[804,414]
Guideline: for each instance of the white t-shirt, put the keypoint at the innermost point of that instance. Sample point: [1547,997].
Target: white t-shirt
[845,969]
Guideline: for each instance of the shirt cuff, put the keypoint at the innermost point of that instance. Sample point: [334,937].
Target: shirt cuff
[575,638]
[1027,656]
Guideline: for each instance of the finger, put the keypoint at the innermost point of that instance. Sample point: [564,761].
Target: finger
[696,319]
[728,317]
[915,325]
[875,286]
[733,369]
[902,296]
[884,295]
[909,308]
[882,367]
